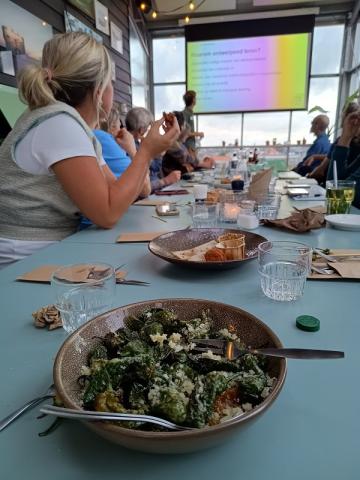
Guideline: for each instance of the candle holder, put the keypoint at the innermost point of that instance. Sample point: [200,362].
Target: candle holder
[230,206]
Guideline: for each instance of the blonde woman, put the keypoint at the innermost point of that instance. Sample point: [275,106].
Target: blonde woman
[51,162]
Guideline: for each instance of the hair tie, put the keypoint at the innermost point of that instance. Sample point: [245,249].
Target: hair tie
[48,74]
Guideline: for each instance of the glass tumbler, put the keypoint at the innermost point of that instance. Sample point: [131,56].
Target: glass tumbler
[204,215]
[83,291]
[267,206]
[283,268]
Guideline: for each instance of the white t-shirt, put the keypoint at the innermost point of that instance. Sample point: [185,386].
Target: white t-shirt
[54,139]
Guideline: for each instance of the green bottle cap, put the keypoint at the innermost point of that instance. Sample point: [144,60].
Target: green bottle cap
[308,323]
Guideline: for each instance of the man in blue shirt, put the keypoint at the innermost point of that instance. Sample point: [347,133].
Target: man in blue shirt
[319,149]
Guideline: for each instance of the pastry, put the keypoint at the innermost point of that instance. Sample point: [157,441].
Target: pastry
[215,255]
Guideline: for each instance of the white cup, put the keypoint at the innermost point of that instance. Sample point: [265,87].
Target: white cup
[200,192]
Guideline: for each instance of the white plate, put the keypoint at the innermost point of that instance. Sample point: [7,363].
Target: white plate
[344,222]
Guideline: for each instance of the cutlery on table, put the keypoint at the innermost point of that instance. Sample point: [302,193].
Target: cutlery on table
[91,416]
[28,406]
[125,281]
[323,271]
[230,351]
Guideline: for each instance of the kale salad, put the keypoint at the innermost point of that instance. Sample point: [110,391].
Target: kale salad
[150,366]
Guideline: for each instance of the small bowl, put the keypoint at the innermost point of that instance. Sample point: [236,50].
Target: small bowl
[233,249]
[73,355]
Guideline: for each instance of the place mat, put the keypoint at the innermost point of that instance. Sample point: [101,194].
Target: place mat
[43,274]
[130,237]
[344,269]
[149,202]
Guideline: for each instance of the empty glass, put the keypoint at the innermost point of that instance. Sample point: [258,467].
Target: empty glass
[283,268]
[267,206]
[82,292]
[204,215]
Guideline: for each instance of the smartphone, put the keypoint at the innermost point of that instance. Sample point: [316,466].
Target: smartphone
[293,192]
[167,209]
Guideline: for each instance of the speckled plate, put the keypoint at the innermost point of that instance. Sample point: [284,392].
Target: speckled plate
[73,355]
[165,244]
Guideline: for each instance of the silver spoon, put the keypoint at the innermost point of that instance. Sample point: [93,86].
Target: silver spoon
[28,406]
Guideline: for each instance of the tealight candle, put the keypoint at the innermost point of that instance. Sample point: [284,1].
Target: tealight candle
[231,212]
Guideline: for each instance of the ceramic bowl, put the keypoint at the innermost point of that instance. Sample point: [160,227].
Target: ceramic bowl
[165,244]
[73,355]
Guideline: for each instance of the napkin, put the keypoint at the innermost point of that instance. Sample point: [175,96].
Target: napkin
[347,269]
[299,221]
[315,208]
[130,237]
[43,274]
[259,184]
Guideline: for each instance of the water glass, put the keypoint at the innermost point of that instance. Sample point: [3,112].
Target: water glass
[82,292]
[267,206]
[283,268]
[204,215]
[339,198]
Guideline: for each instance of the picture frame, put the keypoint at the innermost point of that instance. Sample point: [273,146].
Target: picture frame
[116,38]
[101,17]
[73,24]
[85,6]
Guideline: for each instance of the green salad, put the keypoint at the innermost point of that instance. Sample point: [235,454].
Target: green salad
[150,367]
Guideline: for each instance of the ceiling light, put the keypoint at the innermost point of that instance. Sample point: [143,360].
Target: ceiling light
[154,14]
[192,6]
[144,5]
[187,19]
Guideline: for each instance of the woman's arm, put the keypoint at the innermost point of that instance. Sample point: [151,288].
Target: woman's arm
[96,193]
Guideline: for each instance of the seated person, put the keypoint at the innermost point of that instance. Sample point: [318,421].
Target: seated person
[51,163]
[320,172]
[138,121]
[319,149]
[347,170]
[178,157]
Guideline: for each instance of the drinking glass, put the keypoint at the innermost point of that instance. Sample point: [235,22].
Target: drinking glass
[340,198]
[204,215]
[283,268]
[267,206]
[82,292]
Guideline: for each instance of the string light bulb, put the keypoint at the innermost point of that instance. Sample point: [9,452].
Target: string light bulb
[192,6]
[187,19]
[154,14]
[143,6]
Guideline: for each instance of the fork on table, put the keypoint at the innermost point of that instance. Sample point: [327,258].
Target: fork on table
[230,351]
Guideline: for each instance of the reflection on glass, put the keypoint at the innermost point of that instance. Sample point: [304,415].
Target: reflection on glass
[271,127]
[323,92]
[139,71]
[169,59]
[220,128]
[168,98]
[327,39]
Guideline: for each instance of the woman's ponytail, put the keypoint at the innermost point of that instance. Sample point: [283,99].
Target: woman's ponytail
[34,87]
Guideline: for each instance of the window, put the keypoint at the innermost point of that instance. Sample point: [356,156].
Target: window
[220,128]
[327,39]
[169,60]
[139,70]
[168,98]
[260,128]
[323,93]
[169,74]
[257,128]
